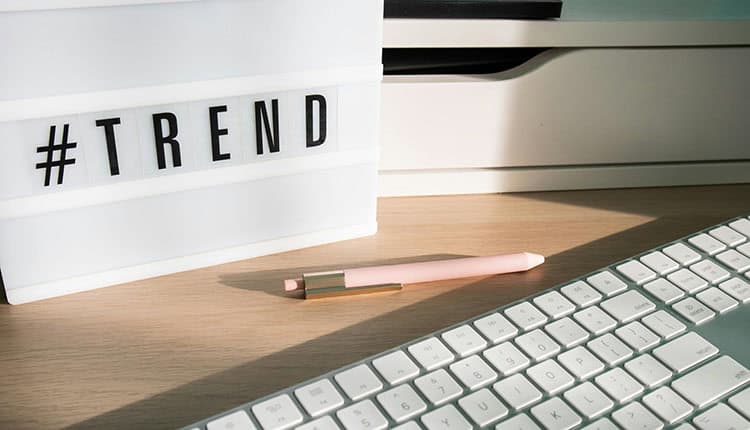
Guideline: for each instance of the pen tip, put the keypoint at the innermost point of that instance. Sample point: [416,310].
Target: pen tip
[294,284]
[534,259]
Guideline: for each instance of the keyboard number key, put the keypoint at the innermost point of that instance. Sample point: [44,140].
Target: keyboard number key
[362,416]
[438,387]
[401,403]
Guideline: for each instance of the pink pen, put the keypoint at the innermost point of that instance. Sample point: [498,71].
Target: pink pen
[391,277]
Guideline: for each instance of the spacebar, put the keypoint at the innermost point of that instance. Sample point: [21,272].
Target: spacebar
[712,381]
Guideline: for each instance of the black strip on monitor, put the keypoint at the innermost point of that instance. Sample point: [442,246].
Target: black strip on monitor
[473,9]
[454,61]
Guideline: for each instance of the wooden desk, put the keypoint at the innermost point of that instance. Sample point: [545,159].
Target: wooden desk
[162,353]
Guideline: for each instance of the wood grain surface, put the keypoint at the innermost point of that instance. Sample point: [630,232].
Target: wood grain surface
[164,352]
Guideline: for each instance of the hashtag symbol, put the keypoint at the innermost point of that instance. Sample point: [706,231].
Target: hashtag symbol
[50,149]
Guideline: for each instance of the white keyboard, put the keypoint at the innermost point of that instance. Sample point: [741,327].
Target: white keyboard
[661,340]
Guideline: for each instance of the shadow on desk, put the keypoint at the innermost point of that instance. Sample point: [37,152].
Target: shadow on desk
[269,281]
[227,389]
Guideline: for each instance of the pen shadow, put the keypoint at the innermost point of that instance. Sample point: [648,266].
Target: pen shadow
[270,281]
[229,388]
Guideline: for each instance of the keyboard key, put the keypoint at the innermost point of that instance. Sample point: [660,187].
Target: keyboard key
[712,381]
[721,417]
[323,423]
[741,402]
[483,407]
[610,349]
[554,414]
[595,320]
[445,418]
[664,324]
[682,253]
[362,416]
[581,293]
[517,391]
[693,310]
[431,353]
[518,422]
[319,397]
[688,281]
[619,385]
[745,249]
[538,345]
[395,367]
[581,362]
[664,290]
[636,417]
[438,387]
[401,403]
[238,420]
[607,283]
[409,425]
[710,271]
[358,382]
[727,235]
[496,327]
[707,244]
[637,336]
[648,370]
[550,376]
[685,352]
[473,372]
[737,288]
[464,340]
[667,405]
[659,263]
[741,225]
[738,262]
[506,358]
[685,426]
[566,332]
[601,424]
[589,400]
[717,300]
[628,306]
[636,272]
[277,413]
[526,316]
[554,304]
